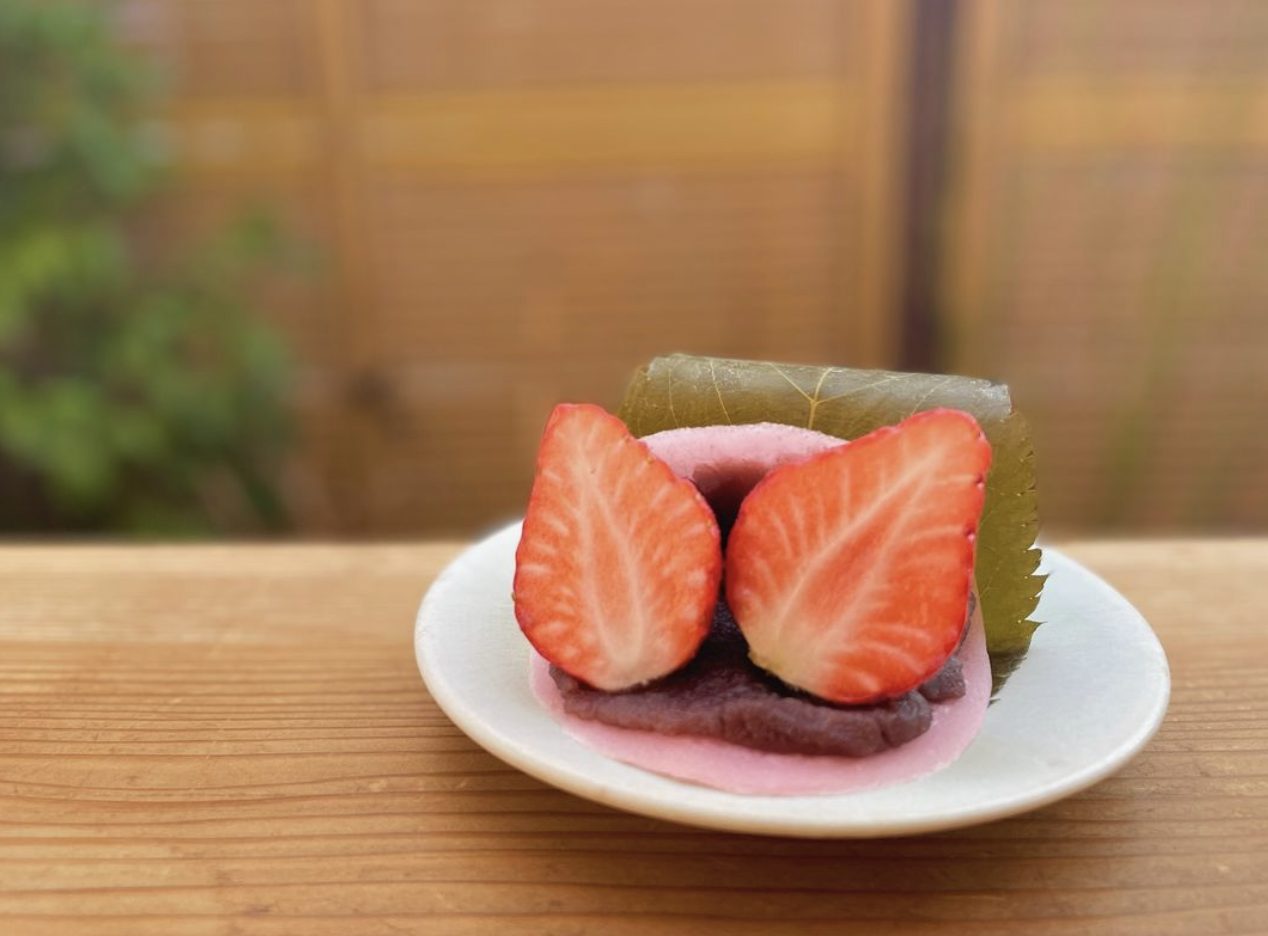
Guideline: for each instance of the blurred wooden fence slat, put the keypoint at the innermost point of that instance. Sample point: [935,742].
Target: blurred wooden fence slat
[1104,249]
[522,200]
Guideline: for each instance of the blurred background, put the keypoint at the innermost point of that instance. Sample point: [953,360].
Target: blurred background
[321,267]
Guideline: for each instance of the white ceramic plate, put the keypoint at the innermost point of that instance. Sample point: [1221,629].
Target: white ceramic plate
[1090,694]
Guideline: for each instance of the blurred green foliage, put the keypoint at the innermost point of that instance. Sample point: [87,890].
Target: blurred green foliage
[135,394]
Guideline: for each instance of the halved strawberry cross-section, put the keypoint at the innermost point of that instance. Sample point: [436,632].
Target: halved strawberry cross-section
[619,562]
[849,573]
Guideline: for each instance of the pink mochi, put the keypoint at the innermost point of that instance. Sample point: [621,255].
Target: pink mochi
[736,769]
[725,463]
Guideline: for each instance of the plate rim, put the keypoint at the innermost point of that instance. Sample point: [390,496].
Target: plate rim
[567,778]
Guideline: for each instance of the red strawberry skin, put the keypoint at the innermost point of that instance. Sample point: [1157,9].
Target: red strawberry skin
[618,566]
[849,573]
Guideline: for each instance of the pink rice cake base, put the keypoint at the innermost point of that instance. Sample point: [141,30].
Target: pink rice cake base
[737,769]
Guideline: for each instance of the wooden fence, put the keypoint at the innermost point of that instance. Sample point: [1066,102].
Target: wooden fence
[521,199]
[1105,249]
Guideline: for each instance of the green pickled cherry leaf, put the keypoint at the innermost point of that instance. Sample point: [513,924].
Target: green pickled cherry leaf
[682,390]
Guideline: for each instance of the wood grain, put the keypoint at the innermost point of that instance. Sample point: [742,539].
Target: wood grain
[234,740]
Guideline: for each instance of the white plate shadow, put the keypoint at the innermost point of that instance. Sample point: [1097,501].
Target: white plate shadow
[1089,695]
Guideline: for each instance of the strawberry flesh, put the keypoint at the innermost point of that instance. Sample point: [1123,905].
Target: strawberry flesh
[849,572]
[618,566]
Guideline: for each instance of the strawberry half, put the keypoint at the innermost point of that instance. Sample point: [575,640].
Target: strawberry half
[849,572]
[617,570]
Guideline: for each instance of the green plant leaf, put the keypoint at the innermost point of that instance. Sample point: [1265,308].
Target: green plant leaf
[682,390]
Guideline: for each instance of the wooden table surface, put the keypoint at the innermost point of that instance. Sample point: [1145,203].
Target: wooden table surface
[235,740]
